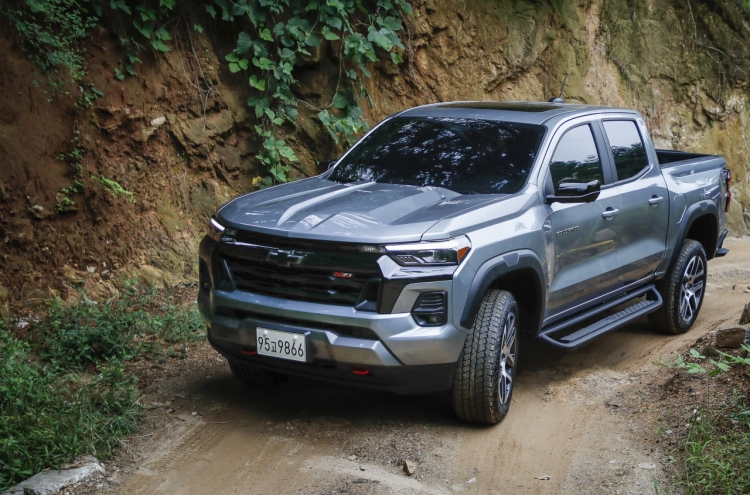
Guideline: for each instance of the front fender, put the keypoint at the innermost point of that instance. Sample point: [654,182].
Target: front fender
[494,269]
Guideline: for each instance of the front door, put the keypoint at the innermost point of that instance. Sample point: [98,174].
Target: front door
[581,239]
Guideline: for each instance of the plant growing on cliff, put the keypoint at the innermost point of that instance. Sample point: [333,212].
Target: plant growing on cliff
[278,34]
[52,32]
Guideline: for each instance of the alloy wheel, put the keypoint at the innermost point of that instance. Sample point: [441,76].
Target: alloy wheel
[691,291]
[507,366]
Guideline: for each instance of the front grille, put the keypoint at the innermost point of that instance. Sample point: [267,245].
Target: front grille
[328,273]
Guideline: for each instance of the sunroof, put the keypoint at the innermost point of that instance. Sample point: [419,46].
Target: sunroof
[500,105]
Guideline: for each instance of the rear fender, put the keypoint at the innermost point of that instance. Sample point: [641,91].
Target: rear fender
[693,213]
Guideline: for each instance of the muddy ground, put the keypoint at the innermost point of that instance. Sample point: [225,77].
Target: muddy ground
[573,426]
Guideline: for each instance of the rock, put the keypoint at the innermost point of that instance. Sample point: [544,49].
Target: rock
[647,465]
[745,318]
[52,481]
[150,275]
[352,457]
[4,302]
[544,477]
[731,337]
[410,467]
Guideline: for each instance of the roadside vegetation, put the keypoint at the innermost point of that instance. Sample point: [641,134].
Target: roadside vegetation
[67,390]
[713,454]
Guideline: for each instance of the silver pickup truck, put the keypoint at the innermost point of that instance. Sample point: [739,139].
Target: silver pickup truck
[450,232]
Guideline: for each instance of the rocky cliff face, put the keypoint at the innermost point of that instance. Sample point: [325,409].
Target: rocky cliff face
[178,136]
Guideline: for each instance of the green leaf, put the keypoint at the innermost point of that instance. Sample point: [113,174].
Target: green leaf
[198,28]
[118,75]
[311,6]
[259,84]
[396,58]
[266,34]
[234,67]
[271,114]
[163,35]
[327,34]
[352,74]
[159,45]
[211,11]
[696,354]
[340,101]
[243,64]
[244,43]
[232,57]
[264,63]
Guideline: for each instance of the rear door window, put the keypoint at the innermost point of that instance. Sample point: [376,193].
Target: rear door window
[576,157]
[627,148]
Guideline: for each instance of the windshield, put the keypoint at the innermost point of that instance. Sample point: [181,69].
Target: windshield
[469,156]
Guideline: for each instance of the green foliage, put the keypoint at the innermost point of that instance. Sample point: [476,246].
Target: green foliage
[73,159]
[52,31]
[278,34]
[68,393]
[124,329]
[48,416]
[114,187]
[718,366]
[716,451]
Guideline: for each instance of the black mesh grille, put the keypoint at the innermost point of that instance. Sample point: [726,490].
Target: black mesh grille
[328,273]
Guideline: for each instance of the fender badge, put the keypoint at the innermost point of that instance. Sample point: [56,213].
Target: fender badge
[568,231]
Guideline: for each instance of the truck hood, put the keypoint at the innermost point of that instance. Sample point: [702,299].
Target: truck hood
[364,212]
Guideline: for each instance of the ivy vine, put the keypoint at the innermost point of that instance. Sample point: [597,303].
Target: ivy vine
[279,33]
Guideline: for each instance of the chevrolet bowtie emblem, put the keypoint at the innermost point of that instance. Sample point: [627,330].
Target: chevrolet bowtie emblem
[285,258]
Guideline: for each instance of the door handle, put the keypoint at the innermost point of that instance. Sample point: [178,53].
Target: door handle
[609,213]
[655,200]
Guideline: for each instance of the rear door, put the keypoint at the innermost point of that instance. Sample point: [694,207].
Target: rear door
[580,238]
[645,198]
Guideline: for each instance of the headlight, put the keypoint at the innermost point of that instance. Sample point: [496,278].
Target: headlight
[214,230]
[450,252]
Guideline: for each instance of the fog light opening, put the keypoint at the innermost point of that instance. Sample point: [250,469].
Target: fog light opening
[430,309]
[361,371]
[249,352]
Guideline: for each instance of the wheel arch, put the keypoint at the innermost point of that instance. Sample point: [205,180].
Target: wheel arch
[700,223]
[518,272]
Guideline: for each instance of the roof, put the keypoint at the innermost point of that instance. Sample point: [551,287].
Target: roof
[509,111]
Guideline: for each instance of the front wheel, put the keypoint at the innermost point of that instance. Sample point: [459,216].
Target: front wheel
[682,290]
[486,370]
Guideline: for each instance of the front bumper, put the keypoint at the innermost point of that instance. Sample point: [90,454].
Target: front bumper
[399,355]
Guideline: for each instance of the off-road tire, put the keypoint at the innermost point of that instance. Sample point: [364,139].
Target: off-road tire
[477,382]
[254,377]
[672,317]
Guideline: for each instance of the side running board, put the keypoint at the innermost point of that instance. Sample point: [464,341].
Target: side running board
[580,336]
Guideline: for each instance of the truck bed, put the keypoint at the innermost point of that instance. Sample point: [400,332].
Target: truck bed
[670,158]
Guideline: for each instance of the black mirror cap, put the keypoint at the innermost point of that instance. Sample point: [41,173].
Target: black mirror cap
[573,191]
[328,164]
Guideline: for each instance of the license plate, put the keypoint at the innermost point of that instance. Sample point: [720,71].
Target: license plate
[284,345]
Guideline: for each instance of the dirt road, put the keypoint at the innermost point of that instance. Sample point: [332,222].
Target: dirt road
[562,435]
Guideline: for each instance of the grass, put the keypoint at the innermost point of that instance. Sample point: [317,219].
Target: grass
[713,457]
[716,452]
[67,392]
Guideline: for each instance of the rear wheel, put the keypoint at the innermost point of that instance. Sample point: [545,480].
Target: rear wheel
[483,383]
[254,377]
[682,290]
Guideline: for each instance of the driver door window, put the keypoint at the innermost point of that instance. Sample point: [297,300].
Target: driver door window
[576,157]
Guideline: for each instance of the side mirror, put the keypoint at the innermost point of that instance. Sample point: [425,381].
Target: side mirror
[575,191]
[324,165]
